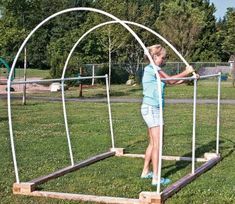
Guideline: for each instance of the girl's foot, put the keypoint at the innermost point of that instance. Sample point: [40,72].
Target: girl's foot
[147,176]
[163,181]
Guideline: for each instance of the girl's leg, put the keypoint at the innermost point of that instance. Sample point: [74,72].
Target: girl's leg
[148,155]
[155,135]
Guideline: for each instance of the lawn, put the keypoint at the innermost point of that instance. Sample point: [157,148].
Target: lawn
[38,73]
[42,148]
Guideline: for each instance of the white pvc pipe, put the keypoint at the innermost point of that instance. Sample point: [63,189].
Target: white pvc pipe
[93,74]
[24,87]
[66,63]
[218,114]
[137,38]
[178,79]
[23,45]
[56,80]
[109,110]
[194,124]
[13,149]
[209,75]
[159,83]
[66,125]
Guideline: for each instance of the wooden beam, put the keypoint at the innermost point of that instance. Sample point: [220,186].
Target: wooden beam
[21,188]
[175,187]
[81,197]
[69,169]
[144,197]
[147,197]
[171,158]
[209,155]
[134,155]
[177,158]
[118,151]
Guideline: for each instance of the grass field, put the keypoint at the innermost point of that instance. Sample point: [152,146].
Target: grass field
[19,73]
[42,148]
[32,73]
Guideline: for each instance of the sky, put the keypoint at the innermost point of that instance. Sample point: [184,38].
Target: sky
[221,7]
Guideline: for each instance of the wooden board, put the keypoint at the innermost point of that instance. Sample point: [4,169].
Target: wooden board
[175,187]
[81,197]
[69,169]
[144,197]
[171,158]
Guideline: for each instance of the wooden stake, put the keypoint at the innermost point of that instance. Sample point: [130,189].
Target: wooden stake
[22,188]
[150,197]
[118,151]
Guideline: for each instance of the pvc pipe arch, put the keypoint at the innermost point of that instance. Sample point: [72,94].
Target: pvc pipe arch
[23,45]
[117,20]
[151,31]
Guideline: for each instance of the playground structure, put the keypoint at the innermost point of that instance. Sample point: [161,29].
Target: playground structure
[4,75]
[29,188]
[3,80]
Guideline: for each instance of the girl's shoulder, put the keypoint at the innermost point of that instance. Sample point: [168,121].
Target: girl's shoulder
[152,69]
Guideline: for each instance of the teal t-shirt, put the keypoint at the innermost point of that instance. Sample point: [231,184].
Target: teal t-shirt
[150,90]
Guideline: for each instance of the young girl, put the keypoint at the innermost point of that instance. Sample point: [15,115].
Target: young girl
[150,108]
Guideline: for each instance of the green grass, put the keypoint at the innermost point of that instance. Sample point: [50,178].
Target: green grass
[41,148]
[32,73]
[29,73]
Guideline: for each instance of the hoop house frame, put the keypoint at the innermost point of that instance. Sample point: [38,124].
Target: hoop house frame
[29,188]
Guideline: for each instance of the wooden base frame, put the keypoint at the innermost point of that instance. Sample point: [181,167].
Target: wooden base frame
[29,188]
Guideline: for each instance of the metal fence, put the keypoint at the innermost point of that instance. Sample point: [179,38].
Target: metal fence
[120,72]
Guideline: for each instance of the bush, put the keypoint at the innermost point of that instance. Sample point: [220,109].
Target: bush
[118,75]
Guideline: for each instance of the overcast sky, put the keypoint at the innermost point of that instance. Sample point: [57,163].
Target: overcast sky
[221,7]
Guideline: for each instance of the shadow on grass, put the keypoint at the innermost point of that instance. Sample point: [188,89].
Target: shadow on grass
[118,93]
[231,149]
[134,90]
[3,119]
[199,152]
[139,144]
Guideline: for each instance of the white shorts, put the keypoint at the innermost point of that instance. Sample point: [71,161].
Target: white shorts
[151,115]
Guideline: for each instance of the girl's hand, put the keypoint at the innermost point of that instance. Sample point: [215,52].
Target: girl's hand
[190,69]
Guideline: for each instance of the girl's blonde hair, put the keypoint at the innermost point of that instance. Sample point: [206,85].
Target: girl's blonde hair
[156,50]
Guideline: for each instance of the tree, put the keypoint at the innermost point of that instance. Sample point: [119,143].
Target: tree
[228,45]
[181,24]
[117,41]
[207,46]
[221,35]
[133,52]
[11,34]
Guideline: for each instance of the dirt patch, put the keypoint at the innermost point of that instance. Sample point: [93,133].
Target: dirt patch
[30,88]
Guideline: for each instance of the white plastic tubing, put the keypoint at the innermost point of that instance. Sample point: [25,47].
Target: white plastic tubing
[67,132]
[156,34]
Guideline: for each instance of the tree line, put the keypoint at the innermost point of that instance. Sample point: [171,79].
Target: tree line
[189,25]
